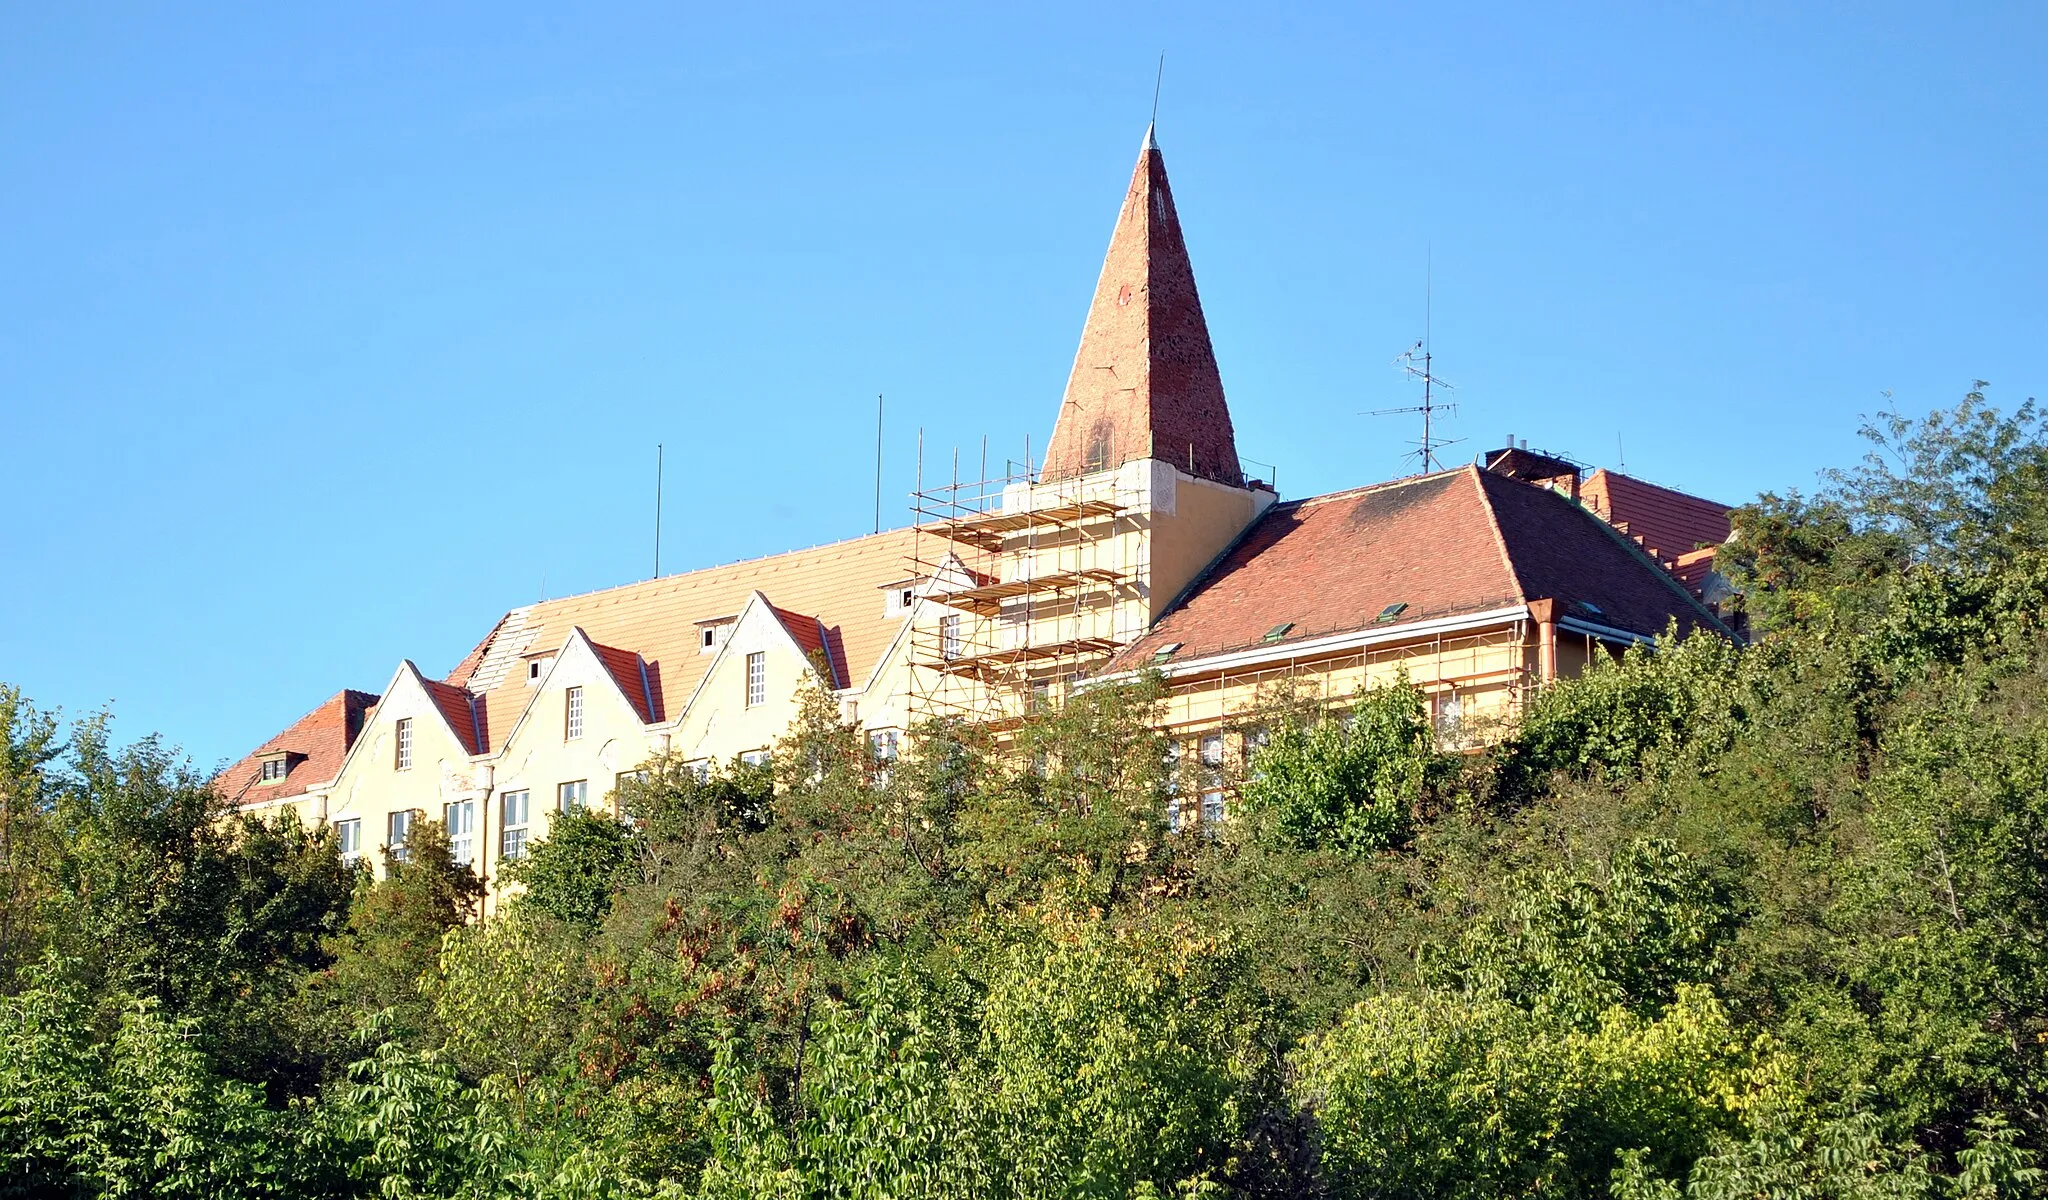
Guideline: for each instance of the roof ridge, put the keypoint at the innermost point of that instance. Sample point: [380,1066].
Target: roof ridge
[738,562]
[1362,489]
[1643,558]
[1500,538]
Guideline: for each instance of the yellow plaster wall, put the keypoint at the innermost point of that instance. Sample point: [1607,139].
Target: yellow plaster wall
[371,788]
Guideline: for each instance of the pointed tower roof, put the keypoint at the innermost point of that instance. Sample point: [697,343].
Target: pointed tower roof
[1145,383]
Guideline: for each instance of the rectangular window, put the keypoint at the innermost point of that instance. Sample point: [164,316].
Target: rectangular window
[404,739]
[757,679]
[755,758]
[1212,809]
[398,831]
[701,769]
[1450,720]
[949,636]
[1172,768]
[882,745]
[273,770]
[572,716]
[350,834]
[514,810]
[1212,750]
[460,818]
[572,795]
[1254,741]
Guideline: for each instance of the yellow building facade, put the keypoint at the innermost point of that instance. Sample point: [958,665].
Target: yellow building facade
[1136,545]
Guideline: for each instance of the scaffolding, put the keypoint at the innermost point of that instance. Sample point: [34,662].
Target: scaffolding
[1024,586]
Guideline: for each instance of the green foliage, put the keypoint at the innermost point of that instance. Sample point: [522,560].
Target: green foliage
[1575,948]
[1714,921]
[1455,1096]
[573,873]
[1075,1063]
[134,1109]
[394,935]
[1350,782]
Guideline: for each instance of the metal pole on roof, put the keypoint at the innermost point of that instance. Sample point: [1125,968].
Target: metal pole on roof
[878,462]
[657,509]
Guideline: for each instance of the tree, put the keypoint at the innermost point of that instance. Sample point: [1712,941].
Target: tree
[1351,782]
[574,872]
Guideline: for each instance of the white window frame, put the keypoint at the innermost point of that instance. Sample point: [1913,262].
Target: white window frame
[949,636]
[348,836]
[515,810]
[572,714]
[401,755]
[574,793]
[398,832]
[754,758]
[757,678]
[275,769]
[459,816]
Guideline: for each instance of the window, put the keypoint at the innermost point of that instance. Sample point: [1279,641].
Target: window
[949,636]
[398,830]
[572,714]
[350,834]
[755,758]
[1166,652]
[712,634]
[1278,631]
[1210,752]
[533,672]
[572,795]
[882,744]
[1255,740]
[273,769]
[627,777]
[1392,610]
[460,818]
[710,640]
[514,811]
[757,679]
[700,768]
[404,758]
[1449,713]
[908,600]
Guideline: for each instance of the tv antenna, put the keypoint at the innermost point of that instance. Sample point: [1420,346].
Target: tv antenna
[1416,363]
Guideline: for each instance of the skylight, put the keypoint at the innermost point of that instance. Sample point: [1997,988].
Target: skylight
[1392,610]
[1277,632]
[1165,652]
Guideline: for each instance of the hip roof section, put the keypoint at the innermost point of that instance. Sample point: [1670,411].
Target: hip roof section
[1453,543]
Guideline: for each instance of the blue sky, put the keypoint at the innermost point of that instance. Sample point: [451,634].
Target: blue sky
[330,332]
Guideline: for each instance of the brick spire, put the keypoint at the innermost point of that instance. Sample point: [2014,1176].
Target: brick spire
[1145,383]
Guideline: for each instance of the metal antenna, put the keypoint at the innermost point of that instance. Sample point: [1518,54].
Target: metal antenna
[1156,81]
[1416,362]
[657,509]
[878,462]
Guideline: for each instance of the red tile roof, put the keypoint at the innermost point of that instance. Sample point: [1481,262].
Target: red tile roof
[1144,383]
[464,713]
[627,669]
[1670,523]
[1447,544]
[315,745]
[811,636]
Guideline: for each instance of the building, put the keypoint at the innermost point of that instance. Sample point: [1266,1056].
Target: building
[1137,544]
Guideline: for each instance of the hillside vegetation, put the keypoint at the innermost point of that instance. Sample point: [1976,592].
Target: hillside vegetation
[1713,923]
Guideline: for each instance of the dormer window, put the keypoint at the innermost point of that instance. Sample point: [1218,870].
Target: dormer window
[711,634]
[899,598]
[275,767]
[537,666]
